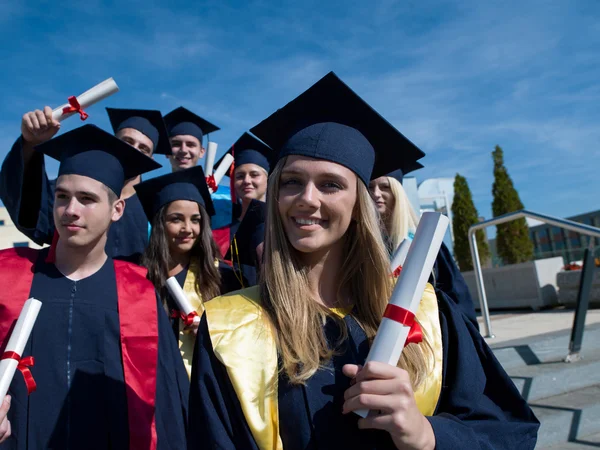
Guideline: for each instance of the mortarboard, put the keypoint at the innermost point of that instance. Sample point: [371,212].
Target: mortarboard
[189,184]
[250,150]
[329,121]
[92,152]
[398,174]
[182,121]
[147,121]
[249,234]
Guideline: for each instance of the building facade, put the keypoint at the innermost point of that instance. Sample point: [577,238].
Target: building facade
[9,235]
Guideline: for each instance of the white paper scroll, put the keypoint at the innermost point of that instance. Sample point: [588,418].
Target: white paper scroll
[211,152]
[391,335]
[400,255]
[182,301]
[223,168]
[16,343]
[88,98]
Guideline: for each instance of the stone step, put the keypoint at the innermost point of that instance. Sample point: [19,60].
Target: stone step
[547,379]
[544,348]
[584,443]
[567,418]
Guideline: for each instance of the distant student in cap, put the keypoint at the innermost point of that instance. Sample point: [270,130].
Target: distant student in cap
[248,182]
[179,207]
[279,365]
[186,132]
[107,368]
[28,194]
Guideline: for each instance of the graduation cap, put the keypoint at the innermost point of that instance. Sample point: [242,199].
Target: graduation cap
[188,184]
[147,121]
[182,121]
[329,121]
[92,152]
[250,150]
[249,235]
[398,174]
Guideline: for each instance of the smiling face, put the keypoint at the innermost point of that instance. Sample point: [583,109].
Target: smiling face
[137,139]
[250,182]
[316,202]
[182,225]
[83,210]
[381,193]
[186,151]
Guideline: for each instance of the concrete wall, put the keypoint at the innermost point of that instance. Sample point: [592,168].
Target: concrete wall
[568,283]
[527,285]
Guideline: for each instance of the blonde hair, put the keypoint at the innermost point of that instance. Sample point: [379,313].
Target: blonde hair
[402,219]
[297,320]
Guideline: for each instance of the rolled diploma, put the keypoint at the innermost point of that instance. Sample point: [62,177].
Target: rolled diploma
[88,98]
[223,168]
[182,302]
[391,336]
[16,343]
[211,152]
[400,254]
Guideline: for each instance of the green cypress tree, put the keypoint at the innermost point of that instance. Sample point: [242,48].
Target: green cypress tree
[464,215]
[512,238]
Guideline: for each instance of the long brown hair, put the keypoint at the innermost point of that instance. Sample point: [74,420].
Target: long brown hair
[297,319]
[157,257]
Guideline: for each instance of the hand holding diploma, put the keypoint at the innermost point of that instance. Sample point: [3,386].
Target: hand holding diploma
[188,313]
[398,325]
[38,126]
[387,391]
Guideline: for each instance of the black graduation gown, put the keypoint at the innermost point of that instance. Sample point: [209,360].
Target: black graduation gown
[80,401]
[479,406]
[450,280]
[29,204]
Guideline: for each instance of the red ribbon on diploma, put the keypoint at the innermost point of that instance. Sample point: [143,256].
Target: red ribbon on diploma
[211,182]
[406,318]
[187,320]
[75,107]
[24,365]
[396,272]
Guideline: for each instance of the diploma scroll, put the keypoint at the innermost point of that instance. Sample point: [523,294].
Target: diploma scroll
[182,301]
[211,153]
[392,333]
[87,99]
[11,360]
[400,254]
[223,168]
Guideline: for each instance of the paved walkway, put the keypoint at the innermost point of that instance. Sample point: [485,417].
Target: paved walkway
[509,326]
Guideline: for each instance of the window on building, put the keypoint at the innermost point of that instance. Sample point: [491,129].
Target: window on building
[1,223]
[21,244]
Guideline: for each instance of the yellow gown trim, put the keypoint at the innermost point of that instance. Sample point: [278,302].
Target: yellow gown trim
[188,340]
[243,342]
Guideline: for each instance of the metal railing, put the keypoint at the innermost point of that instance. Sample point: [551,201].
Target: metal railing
[581,228]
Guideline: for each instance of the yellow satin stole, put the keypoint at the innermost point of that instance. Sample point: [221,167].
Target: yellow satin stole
[188,340]
[243,342]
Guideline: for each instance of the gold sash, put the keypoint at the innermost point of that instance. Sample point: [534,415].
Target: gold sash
[188,340]
[243,342]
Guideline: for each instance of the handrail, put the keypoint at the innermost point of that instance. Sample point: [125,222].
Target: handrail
[581,228]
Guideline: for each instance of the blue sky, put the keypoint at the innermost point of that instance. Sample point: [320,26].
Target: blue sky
[456,77]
